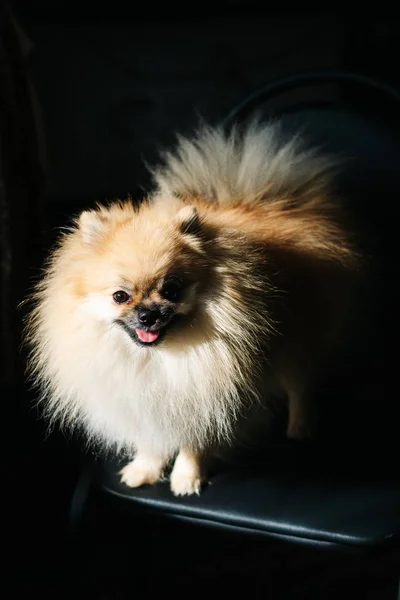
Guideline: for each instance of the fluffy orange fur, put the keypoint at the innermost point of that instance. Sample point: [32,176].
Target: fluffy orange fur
[266,267]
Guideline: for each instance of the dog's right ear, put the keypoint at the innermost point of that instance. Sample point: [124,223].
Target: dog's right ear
[189,222]
[191,228]
[92,224]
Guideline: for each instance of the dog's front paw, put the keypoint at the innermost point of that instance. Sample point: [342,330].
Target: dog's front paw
[141,471]
[186,476]
[185,484]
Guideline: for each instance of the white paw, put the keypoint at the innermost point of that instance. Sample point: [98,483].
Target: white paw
[185,484]
[136,474]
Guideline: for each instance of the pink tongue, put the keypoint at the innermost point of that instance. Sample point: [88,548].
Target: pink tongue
[147,336]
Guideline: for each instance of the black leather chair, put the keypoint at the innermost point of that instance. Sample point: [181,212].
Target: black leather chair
[340,492]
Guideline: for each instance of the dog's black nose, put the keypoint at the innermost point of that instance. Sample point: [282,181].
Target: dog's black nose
[148,316]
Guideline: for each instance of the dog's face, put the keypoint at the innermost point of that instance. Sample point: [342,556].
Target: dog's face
[143,271]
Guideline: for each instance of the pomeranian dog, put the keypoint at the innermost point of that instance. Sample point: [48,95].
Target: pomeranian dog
[167,330]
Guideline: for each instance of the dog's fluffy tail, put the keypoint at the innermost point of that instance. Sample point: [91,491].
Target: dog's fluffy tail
[247,164]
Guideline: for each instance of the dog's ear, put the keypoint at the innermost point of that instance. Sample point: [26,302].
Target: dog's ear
[92,224]
[191,228]
[189,222]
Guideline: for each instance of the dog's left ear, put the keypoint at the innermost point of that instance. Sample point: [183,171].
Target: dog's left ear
[189,222]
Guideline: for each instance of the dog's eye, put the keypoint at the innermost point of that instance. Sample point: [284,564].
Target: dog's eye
[172,290]
[121,297]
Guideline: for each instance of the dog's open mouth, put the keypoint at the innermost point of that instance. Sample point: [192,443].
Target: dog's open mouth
[147,337]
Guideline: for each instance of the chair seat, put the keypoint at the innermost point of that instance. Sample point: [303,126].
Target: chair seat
[305,497]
